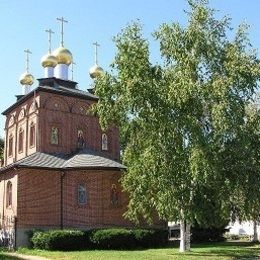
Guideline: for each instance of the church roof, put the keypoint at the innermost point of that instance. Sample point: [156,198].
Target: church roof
[69,91]
[85,159]
[42,160]
[91,159]
[58,86]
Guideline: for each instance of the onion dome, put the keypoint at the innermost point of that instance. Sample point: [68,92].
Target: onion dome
[26,79]
[95,71]
[63,55]
[49,60]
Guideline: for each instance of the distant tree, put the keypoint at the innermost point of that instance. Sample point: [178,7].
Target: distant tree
[182,120]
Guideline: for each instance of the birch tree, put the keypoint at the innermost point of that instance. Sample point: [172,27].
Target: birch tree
[178,116]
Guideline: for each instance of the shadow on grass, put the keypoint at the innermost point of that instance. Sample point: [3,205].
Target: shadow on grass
[226,244]
[235,250]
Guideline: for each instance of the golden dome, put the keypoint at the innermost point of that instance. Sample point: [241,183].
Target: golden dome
[26,79]
[95,71]
[63,55]
[49,60]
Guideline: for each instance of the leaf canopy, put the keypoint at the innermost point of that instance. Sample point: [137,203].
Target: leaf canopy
[187,135]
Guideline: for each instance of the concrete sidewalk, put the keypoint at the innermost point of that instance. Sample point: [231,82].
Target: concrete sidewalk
[25,257]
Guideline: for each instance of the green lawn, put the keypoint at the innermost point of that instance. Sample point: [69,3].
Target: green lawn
[227,250]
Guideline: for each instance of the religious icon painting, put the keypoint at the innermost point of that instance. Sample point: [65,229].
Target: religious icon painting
[54,135]
[80,140]
[82,194]
[114,195]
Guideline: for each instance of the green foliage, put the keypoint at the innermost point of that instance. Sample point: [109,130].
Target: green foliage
[242,156]
[30,234]
[150,238]
[209,234]
[184,122]
[128,238]
[113,239]
[65,240]
[39,240]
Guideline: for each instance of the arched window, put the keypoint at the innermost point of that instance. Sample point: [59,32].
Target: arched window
[104,142]
[32,135]
[114,195]
[10,145]
[82,194]
[54,135]
[11,121]
[21,114]
[9,194]
[81,140]
[20,140]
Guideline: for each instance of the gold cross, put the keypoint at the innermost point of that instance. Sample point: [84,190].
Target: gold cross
[27,59]
[96,46]
[62,20]
[50,32]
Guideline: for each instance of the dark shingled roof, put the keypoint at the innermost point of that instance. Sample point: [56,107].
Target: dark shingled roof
[90,159]
[84,159]
[54,87]
[70,92]
[43,160]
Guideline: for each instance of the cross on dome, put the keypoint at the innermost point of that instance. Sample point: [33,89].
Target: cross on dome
[95,70]
[49,61]
[50,32]
[96,45]
[62,20]
[27,51]
[26,79]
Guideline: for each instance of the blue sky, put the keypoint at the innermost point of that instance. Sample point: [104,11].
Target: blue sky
[22,25]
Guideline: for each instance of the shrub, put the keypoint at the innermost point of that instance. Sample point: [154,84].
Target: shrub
[30,234]
[150,237]
[212,234]
[39,239]
[114,238]
[60,240]
[238,237]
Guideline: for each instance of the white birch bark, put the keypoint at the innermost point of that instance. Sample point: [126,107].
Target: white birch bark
[184,236]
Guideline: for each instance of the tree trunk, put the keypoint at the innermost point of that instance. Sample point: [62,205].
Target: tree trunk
[255,235]
[187,237]
[184,236]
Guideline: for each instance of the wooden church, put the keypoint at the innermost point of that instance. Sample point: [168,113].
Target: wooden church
[60,169]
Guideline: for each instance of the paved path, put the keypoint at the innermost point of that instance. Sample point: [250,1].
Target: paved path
[26,257]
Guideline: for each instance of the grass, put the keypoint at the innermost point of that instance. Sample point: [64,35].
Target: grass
[225,250]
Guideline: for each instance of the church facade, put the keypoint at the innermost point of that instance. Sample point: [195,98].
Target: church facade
[60,169]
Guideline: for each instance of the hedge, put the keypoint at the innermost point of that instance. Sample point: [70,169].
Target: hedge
[60,240]
[146,238]
[211,234]
[113,238]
